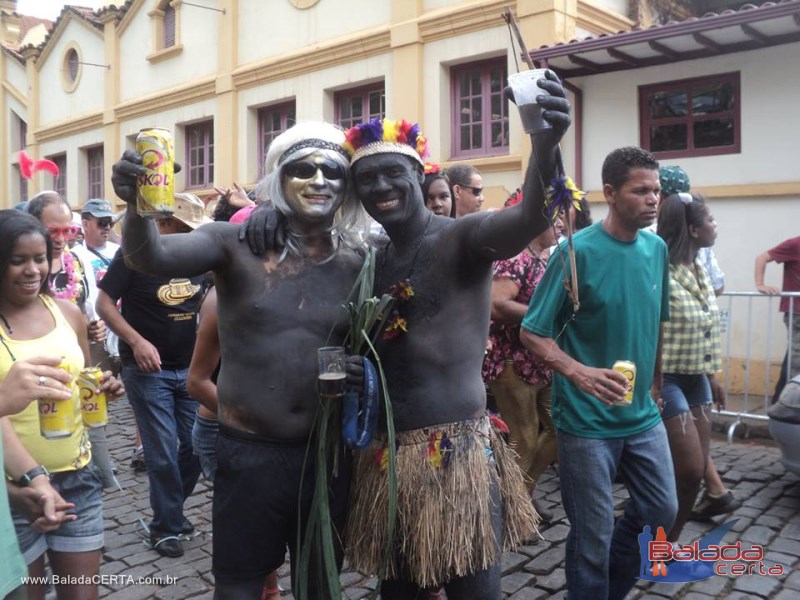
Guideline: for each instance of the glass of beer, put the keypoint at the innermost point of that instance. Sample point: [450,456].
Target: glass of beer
[331,380]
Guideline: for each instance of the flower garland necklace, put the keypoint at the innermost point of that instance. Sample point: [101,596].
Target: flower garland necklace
[70,292]
[401,291]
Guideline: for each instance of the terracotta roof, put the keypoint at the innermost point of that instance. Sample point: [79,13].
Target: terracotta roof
[91,16]
[751,27]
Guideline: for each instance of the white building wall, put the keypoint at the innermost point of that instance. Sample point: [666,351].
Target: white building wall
[198,59]
[77,168]
[16,75]
[611,117]
[56,104]
[313,95]
[273,28]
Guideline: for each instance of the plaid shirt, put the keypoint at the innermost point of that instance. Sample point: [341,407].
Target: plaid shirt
[691,336]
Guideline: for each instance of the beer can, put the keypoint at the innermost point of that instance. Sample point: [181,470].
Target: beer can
[628,369]
[94,407]
[57,417]
[155,188]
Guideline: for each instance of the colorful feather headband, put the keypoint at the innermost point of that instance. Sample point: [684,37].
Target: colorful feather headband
[386,136]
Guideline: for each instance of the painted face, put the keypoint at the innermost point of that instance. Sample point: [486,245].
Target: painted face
[706,233]
[388,186]
[57,218]
[635,202]
[27,269]
[96,231]
[439,201]
[469,198]
[314,186]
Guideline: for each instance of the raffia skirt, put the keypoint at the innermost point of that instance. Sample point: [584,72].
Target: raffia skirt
[445,475]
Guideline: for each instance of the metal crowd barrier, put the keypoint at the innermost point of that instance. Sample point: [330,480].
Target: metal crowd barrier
[731,314]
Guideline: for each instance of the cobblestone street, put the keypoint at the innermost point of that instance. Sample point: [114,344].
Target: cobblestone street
[769,516]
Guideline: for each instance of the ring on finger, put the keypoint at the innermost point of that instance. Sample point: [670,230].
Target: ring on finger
[41,380]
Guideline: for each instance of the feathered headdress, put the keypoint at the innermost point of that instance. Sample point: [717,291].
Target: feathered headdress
[380,136]
[29,167]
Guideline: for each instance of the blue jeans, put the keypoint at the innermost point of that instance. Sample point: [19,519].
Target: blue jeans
[204,442]
[165,416]
[602,557]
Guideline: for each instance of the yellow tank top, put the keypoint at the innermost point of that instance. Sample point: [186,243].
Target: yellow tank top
[65,454]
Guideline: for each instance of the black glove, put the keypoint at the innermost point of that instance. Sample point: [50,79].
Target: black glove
[354,369]
[555,106]
[124,174]
[264,229]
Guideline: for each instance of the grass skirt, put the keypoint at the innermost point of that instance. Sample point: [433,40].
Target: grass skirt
[445,474]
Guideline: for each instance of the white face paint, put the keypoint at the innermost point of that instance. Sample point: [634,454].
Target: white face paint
[314,186]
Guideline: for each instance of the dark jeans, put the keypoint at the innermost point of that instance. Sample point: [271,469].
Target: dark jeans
[165,415]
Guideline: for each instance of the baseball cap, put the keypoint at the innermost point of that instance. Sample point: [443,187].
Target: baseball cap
[98,207]
[190,210]
[673,180]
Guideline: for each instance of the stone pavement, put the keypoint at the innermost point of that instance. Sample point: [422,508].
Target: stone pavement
[769,516]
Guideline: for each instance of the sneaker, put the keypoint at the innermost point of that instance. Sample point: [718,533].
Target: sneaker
[137,460]
[711,507]
[168,545]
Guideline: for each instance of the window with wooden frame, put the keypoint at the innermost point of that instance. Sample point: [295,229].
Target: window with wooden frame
[60,180]
[166,19]
[691,117]
[272,121]
[359,105]
[200,155]
[94,178]
[23,184]
[479,109]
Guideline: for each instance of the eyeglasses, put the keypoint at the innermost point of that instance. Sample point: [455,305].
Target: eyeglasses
[69,232]
[307,170]
[476,191]
[103,223]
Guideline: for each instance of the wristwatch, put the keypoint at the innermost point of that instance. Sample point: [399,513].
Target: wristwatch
[26,479]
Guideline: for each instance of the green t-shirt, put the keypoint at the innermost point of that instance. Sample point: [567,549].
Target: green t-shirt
[12,566]
[624,297]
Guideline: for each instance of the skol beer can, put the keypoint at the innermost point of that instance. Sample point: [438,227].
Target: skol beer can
[628,369]
[94,407]
[57,417]
[156,186]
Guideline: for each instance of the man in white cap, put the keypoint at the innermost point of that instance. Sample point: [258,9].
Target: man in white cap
[157,328]
[274,311]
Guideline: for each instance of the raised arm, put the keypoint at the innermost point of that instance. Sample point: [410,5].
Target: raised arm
[504,233]
[178,254]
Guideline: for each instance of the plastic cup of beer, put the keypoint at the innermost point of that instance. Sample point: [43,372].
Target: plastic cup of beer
[331,378]
[525,91]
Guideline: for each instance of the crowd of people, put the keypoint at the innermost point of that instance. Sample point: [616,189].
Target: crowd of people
[213,327]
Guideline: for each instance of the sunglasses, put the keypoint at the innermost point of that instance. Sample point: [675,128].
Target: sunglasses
[103,223]
[307,170]
[476,191]
[69,232]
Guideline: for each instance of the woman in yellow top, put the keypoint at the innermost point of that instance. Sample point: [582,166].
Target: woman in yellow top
[32,323]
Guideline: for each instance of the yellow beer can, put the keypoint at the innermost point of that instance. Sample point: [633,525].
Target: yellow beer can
[628,369]
[94,405]
[57,417]
[155,188]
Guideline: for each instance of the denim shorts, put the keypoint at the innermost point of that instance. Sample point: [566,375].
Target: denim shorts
[204,444]
[84,489]
[682,392]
